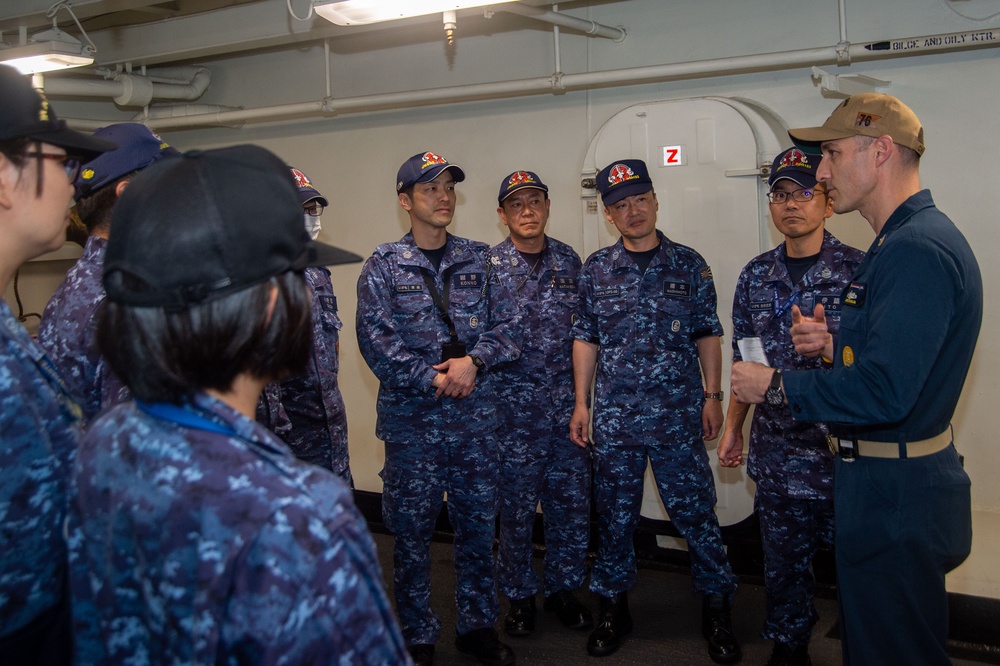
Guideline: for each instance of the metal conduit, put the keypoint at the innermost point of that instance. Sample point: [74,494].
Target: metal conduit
[555,18]
[559,83]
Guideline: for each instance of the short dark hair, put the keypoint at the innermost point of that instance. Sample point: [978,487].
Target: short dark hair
[169,355]
[95,209]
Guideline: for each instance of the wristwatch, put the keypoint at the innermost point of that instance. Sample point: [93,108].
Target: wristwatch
[718,395]
[774,395]
[478,362]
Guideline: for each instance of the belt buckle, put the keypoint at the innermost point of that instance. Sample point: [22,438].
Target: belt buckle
[845,448]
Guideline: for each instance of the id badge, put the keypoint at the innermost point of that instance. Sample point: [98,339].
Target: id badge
[452,350]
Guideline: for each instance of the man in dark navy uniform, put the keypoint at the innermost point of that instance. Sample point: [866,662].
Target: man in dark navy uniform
[910,320]
[789,460]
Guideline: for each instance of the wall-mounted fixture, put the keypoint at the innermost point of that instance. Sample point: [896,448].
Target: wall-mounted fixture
[361,12]
[49,50]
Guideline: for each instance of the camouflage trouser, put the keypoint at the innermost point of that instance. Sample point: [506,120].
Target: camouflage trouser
[791,531]
[541,464]
[415,477]
[687,488]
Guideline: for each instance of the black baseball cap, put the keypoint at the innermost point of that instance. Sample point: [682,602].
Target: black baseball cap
[205,224]
[25,114]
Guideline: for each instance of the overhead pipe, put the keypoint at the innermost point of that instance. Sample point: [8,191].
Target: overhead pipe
[557,83]
[555,18]
[129,89]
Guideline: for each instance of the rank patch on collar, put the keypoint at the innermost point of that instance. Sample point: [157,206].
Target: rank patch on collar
[682,289]
[409,288]
[854,294]
[328,303]
[467,281]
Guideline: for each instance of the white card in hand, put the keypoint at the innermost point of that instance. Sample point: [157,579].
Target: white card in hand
[751,349]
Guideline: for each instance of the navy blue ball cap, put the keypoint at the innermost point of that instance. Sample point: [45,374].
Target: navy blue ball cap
[621,179]
[519,180]
[424,167]
[138,147]
[205,224]
[307,192]
[25,113]
[795,165]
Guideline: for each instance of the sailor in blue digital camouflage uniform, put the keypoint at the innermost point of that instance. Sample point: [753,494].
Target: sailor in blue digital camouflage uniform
[909,322]
[67,328]
[433,321]
[195,535]
[647,322]
[539,463]
[40,423]
[312,419]
[789,460]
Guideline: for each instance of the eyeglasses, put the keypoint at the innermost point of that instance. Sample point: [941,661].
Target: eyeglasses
[69,163]
[313,209]
[801,195]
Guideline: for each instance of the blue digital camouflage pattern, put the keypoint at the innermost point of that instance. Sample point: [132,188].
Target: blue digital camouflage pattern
[648,400]
[217,546]
[39,429]
[538,460]
[789,457]
[315,423]
[790,460]
[437,445]
[67,333]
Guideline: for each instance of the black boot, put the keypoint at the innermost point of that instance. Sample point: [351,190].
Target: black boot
[569,610]
[614,623]
[717,628]
[520,617]
[785,655]
[422,654]
[484,645]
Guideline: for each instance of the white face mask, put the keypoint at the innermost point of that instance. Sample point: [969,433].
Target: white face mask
[312,225]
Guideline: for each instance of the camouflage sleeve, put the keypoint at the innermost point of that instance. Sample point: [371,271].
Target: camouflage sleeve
[742,323]
[382,345]
[31,513]
[307,587]
[502,341]
[271,413]
[585,327]
[705,318]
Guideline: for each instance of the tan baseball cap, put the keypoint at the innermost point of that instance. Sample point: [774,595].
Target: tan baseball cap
[867,114]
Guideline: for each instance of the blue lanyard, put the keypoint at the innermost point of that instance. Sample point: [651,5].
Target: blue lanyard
[184,415]
[779,309]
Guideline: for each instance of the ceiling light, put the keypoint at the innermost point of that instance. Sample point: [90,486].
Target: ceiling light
[47,51]
[361,12]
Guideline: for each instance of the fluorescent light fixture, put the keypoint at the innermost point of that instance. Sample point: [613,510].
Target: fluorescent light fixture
[47,51]
[361,12]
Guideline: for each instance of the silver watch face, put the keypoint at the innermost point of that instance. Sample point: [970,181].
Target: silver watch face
[774,396]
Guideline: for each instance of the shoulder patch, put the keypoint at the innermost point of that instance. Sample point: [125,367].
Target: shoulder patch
[706,273]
